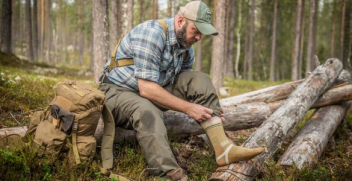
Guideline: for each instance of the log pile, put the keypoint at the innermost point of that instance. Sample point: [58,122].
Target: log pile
[312,139]
[276,110]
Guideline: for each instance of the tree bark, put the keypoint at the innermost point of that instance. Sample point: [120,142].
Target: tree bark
[296,47]
[35,29]
[238,30]
[273,131]
[300,61]
[312,139]
[199,56]
[155,9]
[251,42]
[5,30]
[332,46]
[310,48]
[217,58]
[342,35]
[115,23]
[101,37]
[347,39]
[231,40]
[127,17]
[30,55]
[81,31]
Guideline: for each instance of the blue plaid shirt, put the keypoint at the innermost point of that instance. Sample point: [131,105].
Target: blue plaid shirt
[156,58]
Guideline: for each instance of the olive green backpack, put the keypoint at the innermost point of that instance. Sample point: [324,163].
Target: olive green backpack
[67,127]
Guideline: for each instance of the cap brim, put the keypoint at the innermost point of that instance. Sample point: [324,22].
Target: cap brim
[206,28]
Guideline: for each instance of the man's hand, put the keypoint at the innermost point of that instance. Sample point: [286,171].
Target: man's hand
[222,116]
[198,112]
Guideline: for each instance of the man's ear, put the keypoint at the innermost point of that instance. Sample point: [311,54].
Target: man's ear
[180,21]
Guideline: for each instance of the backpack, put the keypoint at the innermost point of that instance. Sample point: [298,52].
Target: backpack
[67,127]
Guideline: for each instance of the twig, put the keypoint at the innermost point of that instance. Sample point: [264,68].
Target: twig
[15,119]
[140,175]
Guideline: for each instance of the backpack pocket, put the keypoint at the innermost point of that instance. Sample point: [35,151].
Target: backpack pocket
[48,139]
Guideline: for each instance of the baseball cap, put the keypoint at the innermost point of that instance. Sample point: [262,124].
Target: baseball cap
[200,14]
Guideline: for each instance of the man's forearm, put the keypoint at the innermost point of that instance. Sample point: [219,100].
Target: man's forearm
[161,97]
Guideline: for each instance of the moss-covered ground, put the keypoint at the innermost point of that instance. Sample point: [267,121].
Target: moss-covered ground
[27,87]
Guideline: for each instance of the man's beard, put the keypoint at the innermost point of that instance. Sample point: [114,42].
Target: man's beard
[181,37]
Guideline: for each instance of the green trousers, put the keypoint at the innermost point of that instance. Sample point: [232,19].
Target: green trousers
[131,111]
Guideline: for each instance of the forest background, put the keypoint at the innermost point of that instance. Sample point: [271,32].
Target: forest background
[259,39]
[261,43]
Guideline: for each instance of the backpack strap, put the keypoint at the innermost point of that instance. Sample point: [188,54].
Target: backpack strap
[108,138]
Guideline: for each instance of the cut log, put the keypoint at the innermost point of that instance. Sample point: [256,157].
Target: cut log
[274,130]
[275,93]
[312,139]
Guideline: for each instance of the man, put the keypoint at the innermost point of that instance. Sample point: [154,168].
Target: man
[160,78]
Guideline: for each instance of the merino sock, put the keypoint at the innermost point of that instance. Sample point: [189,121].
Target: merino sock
[225,151]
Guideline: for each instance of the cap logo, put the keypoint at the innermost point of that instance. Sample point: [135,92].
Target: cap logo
[208,16]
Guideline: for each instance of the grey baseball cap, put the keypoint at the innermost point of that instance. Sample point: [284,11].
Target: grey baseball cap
[200,14]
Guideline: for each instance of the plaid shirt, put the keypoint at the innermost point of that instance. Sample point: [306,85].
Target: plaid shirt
[156,58]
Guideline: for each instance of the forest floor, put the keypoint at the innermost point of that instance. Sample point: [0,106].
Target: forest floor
[27,87]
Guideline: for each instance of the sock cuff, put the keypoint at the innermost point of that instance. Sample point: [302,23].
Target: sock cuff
[212,126]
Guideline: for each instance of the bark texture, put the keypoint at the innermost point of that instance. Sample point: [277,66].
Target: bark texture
[217,58]
[273,131]
[100,37]
[312,139]
[5,31]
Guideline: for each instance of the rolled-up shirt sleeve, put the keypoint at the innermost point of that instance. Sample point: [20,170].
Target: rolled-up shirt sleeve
[147,45]
[188,62]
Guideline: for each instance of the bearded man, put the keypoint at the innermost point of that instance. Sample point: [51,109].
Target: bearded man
[152,72]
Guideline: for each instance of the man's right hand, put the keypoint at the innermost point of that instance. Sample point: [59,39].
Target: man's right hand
[198,112]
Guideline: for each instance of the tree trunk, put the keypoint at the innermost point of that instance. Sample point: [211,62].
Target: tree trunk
[217,58]
[273,131]
[35,29]
[127,17]
[296,47]
[30,55]
[312,139]
[141,11]
[101,36]
[48,29]
[251,42]
[347,40]
[300,61]
[115,23]
[81,31]
[199,56]
[155,9]
[231,40]
[310,48]
[5,30]
[332,46]
[273,45]
[238,52]
[42,31]
[342,35]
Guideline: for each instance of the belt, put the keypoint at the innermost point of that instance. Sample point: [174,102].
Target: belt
[105,79]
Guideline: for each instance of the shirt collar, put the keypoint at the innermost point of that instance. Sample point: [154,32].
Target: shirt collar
[171,30]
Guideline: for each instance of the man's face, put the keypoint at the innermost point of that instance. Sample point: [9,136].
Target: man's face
[188,34]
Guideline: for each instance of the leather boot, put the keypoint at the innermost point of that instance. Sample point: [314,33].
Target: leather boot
[177,174]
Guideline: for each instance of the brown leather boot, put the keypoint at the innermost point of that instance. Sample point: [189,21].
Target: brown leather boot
[177,174]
